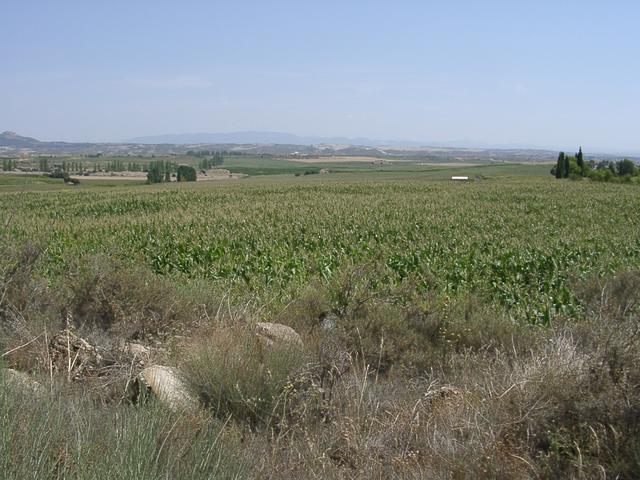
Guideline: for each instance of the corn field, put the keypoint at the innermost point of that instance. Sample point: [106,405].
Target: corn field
[515,241]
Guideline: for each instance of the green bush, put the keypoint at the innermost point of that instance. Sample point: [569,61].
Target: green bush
[186,173]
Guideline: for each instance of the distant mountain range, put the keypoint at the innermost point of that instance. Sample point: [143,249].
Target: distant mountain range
[277,143]
[280,138]
[265,138]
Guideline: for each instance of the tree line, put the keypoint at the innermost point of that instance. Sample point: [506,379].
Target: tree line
[8,164]
[160,172]
[575,167]
[208,158]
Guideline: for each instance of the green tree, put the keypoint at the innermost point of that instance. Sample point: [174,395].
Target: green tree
[627,167]
[580,161]
[572,167]
[156,172]
[565,167]
[186,173]
[560,165]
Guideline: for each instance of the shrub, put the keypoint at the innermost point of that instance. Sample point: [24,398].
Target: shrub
[236,375]
[71,437]
[26,305]
[186,173]
[417,337]
[130,302]
[614,297]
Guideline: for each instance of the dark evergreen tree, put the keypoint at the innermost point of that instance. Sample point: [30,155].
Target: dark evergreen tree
[560,165]
[565,167]
[580,160]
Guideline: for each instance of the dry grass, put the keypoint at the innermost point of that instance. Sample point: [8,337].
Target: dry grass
[389,385]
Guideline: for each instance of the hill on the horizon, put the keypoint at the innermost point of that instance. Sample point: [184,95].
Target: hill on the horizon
[276,143]
[12,139]
[261,137]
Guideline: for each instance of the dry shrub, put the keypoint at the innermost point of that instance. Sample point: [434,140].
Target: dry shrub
[558,409]
[103,301]
[385,427]
[546,414]
[611,297]
[420,336]
[26,306]
[399,327]
[535,403]
[307,311]
[237,375]
[129,302]
[21,288]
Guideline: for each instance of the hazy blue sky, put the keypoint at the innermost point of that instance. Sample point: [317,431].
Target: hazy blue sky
[550,73]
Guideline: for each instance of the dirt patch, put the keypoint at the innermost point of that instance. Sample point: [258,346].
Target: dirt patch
[220,174]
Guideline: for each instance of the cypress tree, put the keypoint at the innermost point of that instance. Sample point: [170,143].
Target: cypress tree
[560,165]
[580,160]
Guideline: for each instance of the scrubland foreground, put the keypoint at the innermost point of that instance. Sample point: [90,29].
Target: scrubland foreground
[485,330]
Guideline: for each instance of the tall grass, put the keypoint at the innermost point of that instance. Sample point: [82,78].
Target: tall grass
[238,375]
[69,436]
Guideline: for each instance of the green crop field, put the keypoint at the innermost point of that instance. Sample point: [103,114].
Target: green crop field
[515,239]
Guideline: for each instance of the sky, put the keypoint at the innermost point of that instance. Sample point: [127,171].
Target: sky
[544,73]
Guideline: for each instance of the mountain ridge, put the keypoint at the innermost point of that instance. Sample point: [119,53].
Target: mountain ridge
[276,143]
[263,137]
